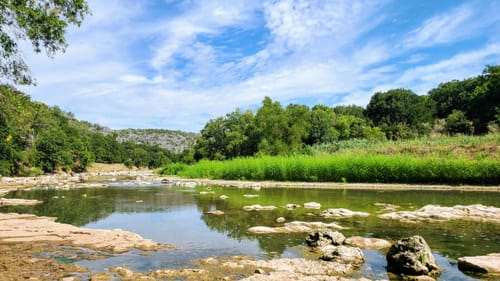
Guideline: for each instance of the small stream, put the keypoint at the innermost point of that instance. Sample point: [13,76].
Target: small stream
[176,215]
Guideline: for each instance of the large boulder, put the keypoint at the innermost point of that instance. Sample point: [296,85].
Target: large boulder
[412,256]
[325,237]
[489,264]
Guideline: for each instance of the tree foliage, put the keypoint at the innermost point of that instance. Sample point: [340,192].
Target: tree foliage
[400,113]
[42,23]
[36,138]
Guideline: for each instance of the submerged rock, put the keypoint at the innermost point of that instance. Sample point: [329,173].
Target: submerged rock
[324,237]
[367,243]
[412,256]
[489,264]
[216,212]
[293,227]
[18,202]
[342,213]
[475,212]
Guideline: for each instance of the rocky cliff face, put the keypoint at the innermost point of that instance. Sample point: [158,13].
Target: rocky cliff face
[174,141]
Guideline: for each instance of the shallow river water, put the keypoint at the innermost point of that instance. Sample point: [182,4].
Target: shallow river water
[177,215]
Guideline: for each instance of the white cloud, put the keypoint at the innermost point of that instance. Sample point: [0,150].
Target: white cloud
[127,69]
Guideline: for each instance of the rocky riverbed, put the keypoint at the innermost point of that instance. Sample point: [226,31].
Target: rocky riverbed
[26,241]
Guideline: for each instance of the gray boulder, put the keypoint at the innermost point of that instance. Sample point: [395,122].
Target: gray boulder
[345,254]
[325,237]
[412,256]
[489,264]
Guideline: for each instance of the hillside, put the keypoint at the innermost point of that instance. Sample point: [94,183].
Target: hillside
[174,141]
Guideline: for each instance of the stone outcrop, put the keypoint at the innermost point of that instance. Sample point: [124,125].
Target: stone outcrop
[28,228]
[342,213]
[258,207]
[412,256]
[367,243]
[475,212]
[293,227]
[345,254]
[324,237]
[300,266]
[489,264]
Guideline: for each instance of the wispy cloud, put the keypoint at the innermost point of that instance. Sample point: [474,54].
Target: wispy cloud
[150,64]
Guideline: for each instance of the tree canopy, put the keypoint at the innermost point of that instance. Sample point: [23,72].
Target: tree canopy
[42,23]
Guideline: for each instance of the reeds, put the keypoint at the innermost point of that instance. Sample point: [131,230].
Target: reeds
[440,161]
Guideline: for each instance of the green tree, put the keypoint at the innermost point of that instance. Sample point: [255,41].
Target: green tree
[457,123]
[400,113]
[322,125]
[271,123]
[43,23]
[298,127]
[353,110]
[454,95]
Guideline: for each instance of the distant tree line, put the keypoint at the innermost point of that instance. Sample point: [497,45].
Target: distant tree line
[471,106]
[35,138]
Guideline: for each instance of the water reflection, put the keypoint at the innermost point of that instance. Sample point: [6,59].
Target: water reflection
[178,216]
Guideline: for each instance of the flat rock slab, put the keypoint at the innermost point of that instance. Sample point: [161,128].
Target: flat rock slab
[368,243]
[28,228]
[489,264]
[18,202]
[294,227]
[299,266]
[342,213]
[475,212]
[259,208]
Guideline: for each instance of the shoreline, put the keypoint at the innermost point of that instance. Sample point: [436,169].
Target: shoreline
[89,179]
[332,185]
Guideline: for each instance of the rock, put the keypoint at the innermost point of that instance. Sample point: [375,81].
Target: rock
[280,220]
[216,212]
[312,205]
[293,227]
[70,278]
[27,228]
[223,197]
[412,256]
[292,206]
[123,272]
[260,271]
[101,277]
[345,254]
[206,192]
[250,195]
[489,264]
[325,237]
[18,202]
[299,266]
[437,213]
[258,207]
[386,207]
[342,213]
[367,243]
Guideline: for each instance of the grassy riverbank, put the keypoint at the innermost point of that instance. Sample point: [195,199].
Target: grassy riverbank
[443,160]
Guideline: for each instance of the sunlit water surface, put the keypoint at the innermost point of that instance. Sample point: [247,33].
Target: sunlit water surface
[177,216]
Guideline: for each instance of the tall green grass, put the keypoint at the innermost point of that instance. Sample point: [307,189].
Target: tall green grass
[450,160]
[350,168]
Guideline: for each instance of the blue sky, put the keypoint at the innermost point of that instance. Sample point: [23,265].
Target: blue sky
[177,64]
